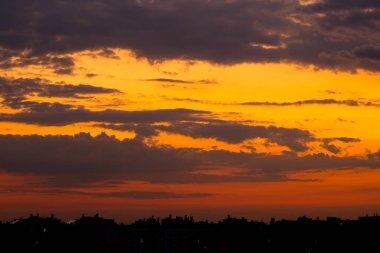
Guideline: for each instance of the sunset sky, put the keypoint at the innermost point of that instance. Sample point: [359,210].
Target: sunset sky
[134,108]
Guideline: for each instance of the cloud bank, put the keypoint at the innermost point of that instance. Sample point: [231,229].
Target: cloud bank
[338,35]
[78,160]
[15,92]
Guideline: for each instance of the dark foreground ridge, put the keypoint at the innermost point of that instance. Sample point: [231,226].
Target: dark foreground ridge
[184,235]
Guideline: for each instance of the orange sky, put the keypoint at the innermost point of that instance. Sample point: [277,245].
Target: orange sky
[347,191]
[190,109]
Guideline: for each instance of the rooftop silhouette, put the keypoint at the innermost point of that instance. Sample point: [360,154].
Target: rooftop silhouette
[184,234]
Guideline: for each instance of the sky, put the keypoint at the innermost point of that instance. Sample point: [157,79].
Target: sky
[139,108]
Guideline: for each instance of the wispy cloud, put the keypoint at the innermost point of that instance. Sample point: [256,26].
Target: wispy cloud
[179,81]
[329,101]
[67,116]
[114,194]
[325,101]
[15,92]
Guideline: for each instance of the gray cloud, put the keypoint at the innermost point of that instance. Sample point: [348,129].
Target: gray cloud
[90,75]
[334,92]
[370,52]
[333,148]
[229,132]
[342,139]
[63,65]
[178,81]
[141,130]
[194,100]
[14,93]
[307,102]
[325,101]
[71,116]
[115,194]
[153,195]
[234,133]
[295,139]
[344,120]
[327,34]
[182,121]
[346,26]
[90,159]
[81,159]
[166,80]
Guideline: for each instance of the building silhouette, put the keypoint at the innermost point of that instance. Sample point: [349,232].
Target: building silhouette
[185,235]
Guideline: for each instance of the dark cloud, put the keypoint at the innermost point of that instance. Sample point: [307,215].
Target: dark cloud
[78,160]
[116,194]
[331,147]
[334,92]
[368,51]
[167,80]
[228,132]
[234,133]
[342,139]
[82,158]
[334,148]
[337,5]
[66,117]
[192,123]
[91,75]
[15,92]
[194,100]
[326,101]
[306,102]
[63,65]
[141,130]
[328,34]
[351,28]
[344,120]
[108,53]
[295,139]
[178,81]
[153,195]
